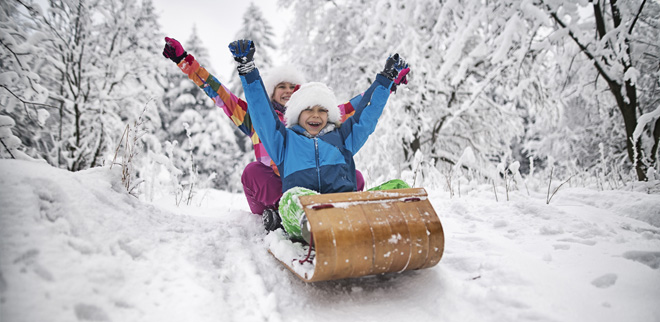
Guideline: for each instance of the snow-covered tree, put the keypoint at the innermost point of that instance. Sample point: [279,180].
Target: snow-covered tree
[607,54]
[10,144]
[204,145]
[474,65]
[93,63]
[257,28]
[182,94]
[23,96]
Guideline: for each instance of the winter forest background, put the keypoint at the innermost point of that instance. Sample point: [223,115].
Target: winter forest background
[499,90]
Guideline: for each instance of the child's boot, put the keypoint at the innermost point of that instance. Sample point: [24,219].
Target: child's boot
[271,219]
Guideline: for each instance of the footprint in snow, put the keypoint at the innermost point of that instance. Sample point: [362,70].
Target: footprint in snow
[578,241]
[30,260]
[86,312]
[605,281]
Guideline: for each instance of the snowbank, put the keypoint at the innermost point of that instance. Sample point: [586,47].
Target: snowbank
[76,246]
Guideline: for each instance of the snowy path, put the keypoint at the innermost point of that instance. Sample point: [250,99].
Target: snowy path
[562,262]
[75,247]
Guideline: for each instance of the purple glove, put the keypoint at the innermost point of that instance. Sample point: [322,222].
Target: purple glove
[173,50]
[402,78]
[396,69]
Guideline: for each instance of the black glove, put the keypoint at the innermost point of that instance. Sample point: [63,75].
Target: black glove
[173,50]
[243,52]
[393,66]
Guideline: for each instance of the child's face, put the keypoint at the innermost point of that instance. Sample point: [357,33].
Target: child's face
[313,119]
[282,92]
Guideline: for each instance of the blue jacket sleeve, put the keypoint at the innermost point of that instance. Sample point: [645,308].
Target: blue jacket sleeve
[356,129]
[265,121]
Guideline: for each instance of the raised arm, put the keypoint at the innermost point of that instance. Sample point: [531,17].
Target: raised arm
[348,109]
[235,108]
[357,129]
[267,124]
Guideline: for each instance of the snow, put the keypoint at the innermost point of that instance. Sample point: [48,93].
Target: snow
[7,78]
[290,253]
[644,120]
[77,247]
[6,121]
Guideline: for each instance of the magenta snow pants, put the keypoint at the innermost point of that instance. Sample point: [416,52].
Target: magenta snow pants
[263,188]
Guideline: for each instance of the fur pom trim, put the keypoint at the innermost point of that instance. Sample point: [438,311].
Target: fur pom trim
[284,73]
[309,95]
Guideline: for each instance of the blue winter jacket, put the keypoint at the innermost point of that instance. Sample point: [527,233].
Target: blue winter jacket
[323,163]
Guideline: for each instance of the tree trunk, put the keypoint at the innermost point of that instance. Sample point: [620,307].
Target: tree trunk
[410,148]
[656,142]
[628,107]
[628,104]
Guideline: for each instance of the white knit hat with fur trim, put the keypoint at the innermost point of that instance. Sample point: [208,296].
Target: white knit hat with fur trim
[284,73]
[310,95]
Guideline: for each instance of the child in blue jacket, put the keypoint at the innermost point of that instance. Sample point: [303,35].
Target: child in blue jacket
[313,150]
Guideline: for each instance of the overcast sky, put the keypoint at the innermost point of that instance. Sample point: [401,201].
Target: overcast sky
[217,23]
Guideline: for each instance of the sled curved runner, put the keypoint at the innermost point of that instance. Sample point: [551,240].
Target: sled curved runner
[371,232]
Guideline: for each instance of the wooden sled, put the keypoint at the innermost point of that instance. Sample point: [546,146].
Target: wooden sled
[367,233]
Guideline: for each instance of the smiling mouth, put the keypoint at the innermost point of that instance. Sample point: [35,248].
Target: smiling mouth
[314,124]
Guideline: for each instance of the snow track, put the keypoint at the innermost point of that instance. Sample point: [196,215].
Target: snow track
[76,247]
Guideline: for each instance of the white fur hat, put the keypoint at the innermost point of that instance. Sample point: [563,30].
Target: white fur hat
[284,73]
[310,95]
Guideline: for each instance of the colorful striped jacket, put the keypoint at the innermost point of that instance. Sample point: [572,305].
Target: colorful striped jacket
[236,108]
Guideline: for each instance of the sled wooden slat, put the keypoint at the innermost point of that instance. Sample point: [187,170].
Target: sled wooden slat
[399,247]
[380,233]
[325,252]
[343,241]
[436,237]
[372,232]
[362,254]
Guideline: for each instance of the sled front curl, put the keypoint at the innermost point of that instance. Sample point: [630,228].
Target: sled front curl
[371,232]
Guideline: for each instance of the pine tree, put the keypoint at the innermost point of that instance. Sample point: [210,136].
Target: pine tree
[256,28]
[205,147]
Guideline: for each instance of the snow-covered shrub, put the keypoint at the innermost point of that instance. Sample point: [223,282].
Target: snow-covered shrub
[10,143]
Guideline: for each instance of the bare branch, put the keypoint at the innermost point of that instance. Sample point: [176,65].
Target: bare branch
[13,53]
[7,148]
[600,21]
[639,13]
[25,103]
[549,197]
[584,49]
